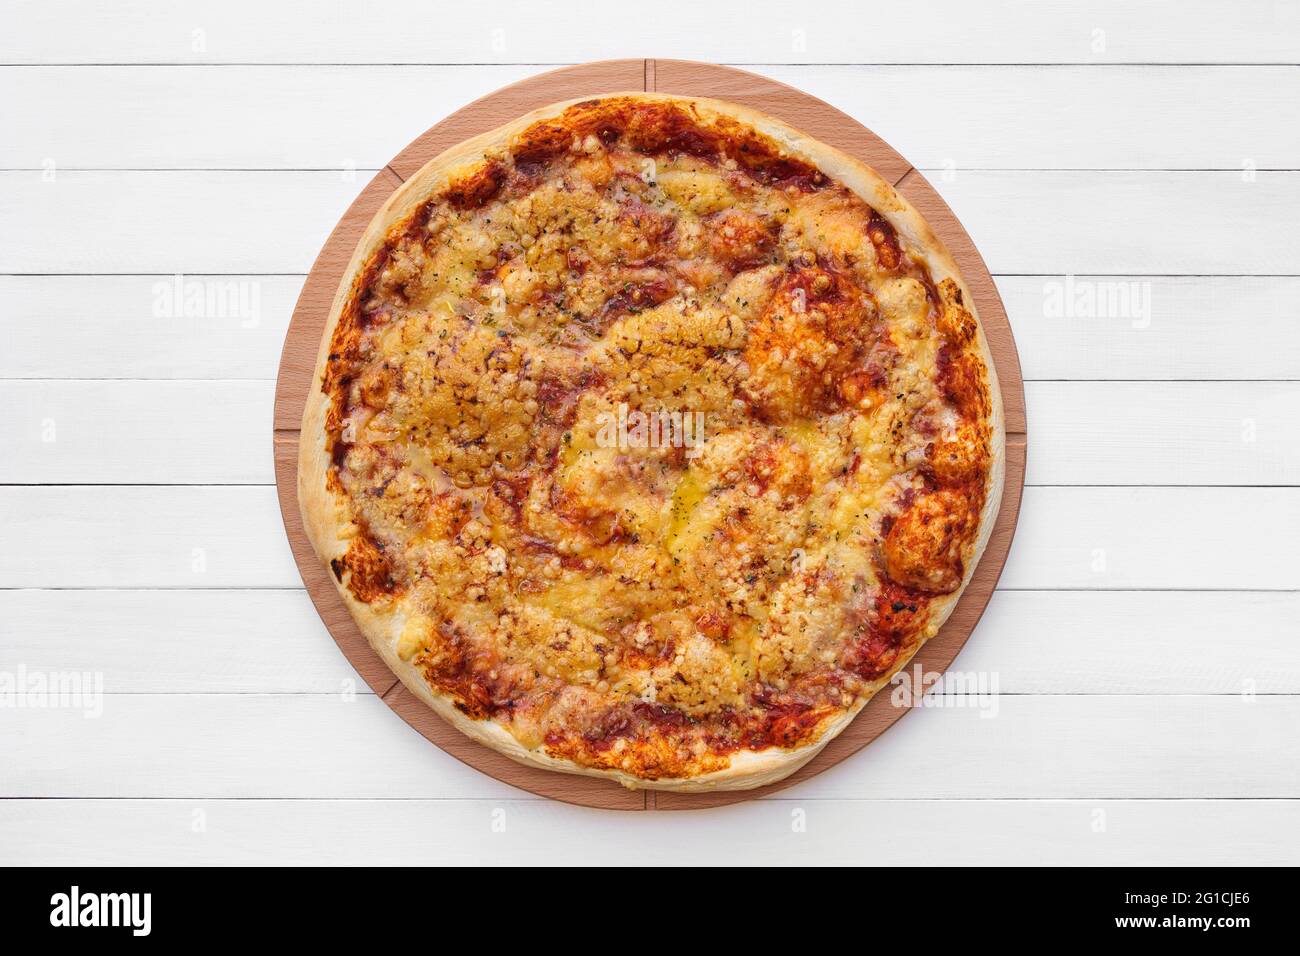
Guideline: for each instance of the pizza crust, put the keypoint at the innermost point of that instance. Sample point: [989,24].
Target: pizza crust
[330,528]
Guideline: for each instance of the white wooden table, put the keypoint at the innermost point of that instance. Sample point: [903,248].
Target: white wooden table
[1142,158]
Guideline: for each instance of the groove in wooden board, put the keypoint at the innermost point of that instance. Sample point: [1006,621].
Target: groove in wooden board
[303,341]
[298,359]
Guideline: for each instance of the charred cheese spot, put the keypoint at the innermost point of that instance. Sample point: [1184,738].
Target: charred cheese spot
[741,239]
[923,548]
[956,322]
[813,331]
[958,456]
[642,233]
[366,570]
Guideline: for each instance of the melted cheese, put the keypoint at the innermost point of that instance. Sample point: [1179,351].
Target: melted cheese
[644,432]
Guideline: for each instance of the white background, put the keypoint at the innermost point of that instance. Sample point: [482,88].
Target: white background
[1145,631]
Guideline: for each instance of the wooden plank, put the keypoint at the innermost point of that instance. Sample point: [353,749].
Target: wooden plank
[1138,642]
[551,31]
[1140,222]
[1185,538]
[199,221]
[183,641]
[224,745]
[1184,327]
[1191,331]
[114,432]
[128,537]
[266,746]
[269,117]
[994,117]
[517,832]
[1172,433]
[168,222]
[1037,642]
[227,327]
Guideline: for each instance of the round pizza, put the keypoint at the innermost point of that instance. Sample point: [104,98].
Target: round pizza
[649,439]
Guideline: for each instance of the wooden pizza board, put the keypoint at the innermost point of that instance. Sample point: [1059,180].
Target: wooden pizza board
[805,112]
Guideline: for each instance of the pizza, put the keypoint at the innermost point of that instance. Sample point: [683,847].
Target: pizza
[649,438]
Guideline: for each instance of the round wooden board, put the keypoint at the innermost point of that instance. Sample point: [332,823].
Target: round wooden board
[822,121]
